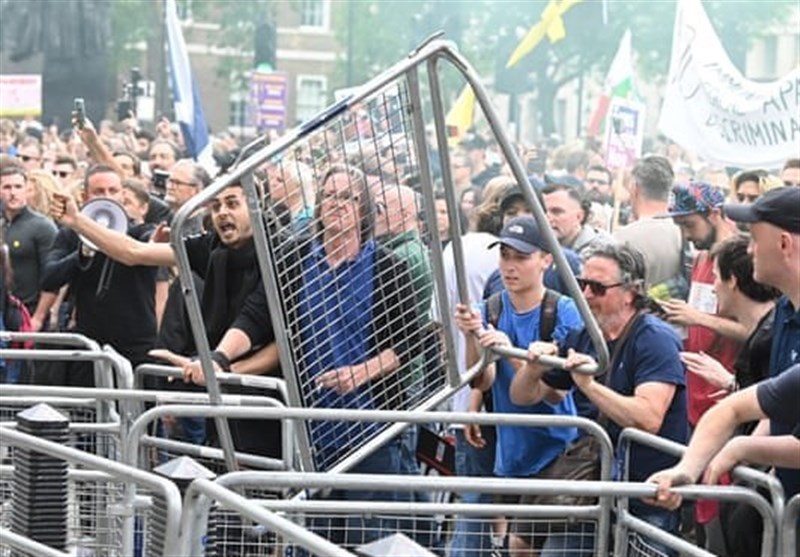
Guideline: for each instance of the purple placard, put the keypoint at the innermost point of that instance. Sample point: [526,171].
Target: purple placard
[268,98]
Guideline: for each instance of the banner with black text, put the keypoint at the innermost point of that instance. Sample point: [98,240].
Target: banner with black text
[711,109]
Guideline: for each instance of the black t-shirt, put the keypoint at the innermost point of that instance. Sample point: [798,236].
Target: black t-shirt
[29,237]
[114,303]
[779,398]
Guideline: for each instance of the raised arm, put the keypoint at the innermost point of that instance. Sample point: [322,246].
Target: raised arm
[115,245]
[97,150]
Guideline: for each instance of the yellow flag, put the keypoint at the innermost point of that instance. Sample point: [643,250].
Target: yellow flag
[550,24]
[459,118]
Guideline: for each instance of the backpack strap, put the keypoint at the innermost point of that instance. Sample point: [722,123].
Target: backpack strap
[547,320]
[494,307]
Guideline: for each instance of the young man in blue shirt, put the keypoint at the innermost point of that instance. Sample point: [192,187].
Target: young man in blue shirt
[521,451]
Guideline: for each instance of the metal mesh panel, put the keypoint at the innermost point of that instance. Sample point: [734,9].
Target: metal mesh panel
[92,526]
[100,443]
[354,275]
[230,536]
[477,535]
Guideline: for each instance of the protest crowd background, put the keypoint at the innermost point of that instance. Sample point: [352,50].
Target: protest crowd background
[688,257]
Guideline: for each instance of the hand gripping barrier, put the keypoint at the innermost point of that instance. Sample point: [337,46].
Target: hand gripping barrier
[770,514]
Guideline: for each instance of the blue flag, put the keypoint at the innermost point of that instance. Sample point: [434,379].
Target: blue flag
[188,106]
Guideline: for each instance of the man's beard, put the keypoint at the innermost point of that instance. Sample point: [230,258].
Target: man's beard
[597,196]
[707,242]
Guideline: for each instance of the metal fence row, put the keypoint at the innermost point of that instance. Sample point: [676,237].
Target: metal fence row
[118,509]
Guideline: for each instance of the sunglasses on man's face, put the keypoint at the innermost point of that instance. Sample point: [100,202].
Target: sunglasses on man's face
[61,173]
[597,288]
[28,158]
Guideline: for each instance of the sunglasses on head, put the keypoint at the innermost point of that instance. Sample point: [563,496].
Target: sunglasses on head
[597,288]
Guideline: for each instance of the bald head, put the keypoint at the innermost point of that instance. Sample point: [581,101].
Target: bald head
[398,211]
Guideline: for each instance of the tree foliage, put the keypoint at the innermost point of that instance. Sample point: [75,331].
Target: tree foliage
[487,31]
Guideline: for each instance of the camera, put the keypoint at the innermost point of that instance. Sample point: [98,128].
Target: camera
[160,178]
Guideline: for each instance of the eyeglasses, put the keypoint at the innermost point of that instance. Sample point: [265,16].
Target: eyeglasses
[28,158]
[597,288]
[341,197]
[176,182]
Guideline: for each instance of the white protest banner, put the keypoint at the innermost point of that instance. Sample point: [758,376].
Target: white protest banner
[711,109]
[624,133]
[20,95]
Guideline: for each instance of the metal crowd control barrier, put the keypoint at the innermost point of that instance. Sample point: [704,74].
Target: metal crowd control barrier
[16,542]
[97,425]
[770,513]
[165,507]
[789,531]
[213,456]
[261,489]
[201,491]
[547,523]
[110,368]
[258,408]
[377,134]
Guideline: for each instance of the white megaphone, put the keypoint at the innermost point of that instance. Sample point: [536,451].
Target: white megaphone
[108,214]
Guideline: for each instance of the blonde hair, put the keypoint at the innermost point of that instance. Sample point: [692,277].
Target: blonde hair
[43,185]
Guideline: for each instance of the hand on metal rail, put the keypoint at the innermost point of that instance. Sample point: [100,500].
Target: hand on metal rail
[192,370]
[666,480]
[580,365]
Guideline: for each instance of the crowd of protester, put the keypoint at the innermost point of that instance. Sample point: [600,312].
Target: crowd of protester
[691,271]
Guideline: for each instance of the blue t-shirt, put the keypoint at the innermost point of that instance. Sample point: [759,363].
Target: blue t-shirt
[650,354]
[524,451]
[335,311]
[784,354]
[552,279]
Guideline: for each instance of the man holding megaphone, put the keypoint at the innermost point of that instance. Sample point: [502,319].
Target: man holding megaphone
[114,304]
[225,259]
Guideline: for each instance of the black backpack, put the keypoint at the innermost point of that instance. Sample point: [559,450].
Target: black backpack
[547,321]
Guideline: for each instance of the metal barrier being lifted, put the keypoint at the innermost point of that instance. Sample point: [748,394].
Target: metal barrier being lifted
[372,142]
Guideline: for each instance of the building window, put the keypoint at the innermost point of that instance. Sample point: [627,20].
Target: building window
[237,110]
[314,13]
[312,96]
[770,70]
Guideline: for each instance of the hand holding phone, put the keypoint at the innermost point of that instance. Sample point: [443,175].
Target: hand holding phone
[79,114]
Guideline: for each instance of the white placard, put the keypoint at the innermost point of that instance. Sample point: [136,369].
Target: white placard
[20,95]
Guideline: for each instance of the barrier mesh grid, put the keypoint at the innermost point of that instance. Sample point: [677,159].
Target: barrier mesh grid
[354,275]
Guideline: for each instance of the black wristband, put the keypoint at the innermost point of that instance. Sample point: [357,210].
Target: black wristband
[221,360]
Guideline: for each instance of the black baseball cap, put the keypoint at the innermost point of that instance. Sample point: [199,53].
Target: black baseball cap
[523,235]
[512,196]
[780,207]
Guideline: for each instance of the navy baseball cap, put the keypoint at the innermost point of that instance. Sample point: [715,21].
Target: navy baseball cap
[779,206]
[523,235]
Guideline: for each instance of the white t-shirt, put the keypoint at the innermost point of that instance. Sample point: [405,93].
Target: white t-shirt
[479,263]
